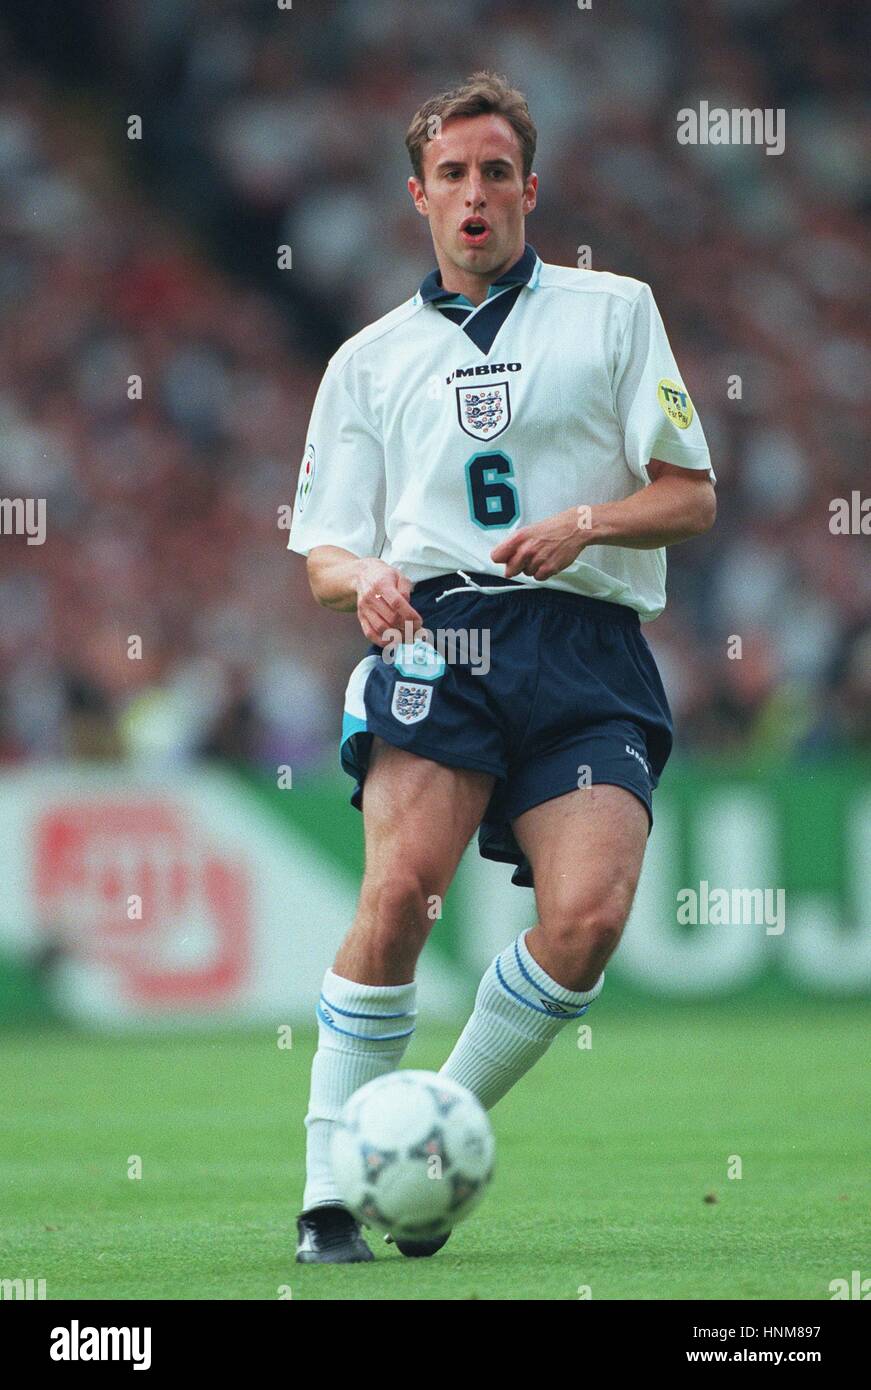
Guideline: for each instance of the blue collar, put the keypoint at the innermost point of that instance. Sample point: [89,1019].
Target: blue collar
[520,274]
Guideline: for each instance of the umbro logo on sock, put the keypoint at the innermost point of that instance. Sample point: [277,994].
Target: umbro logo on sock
[552,1007]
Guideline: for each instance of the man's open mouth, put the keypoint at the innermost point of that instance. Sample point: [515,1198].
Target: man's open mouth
[474,231]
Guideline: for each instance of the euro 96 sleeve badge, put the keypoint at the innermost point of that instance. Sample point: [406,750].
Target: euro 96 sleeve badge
[676,403]
[306,478]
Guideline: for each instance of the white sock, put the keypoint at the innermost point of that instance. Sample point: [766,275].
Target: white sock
[363,1030]
[518,1012]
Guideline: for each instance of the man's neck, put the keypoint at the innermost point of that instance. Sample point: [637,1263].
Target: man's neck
[474,287]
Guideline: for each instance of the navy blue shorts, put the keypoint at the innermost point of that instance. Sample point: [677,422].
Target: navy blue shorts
[546,690]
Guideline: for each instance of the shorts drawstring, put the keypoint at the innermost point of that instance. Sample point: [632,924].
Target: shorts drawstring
[481,588]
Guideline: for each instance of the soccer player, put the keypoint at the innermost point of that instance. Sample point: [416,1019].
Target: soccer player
[508,453]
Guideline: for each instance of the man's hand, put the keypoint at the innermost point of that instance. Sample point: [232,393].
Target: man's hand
[377,591]
[546,547]
[677,503]
[382,601]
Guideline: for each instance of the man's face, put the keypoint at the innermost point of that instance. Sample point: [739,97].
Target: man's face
[474,194]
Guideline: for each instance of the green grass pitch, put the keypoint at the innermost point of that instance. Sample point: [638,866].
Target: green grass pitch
[605,1159]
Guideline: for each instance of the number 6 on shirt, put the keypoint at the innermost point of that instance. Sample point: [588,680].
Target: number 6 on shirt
[491,502]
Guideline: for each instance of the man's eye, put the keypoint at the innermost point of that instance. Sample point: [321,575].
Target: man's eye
[497,173]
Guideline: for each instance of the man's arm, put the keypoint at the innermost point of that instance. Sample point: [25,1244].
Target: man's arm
[677,504]
[378,592]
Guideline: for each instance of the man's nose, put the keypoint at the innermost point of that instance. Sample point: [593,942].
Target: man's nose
[475,192]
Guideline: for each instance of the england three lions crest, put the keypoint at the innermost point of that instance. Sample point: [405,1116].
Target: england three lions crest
[410,702]
[484,410]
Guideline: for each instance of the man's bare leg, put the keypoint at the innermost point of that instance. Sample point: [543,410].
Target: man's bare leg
[418,818]
[586,850]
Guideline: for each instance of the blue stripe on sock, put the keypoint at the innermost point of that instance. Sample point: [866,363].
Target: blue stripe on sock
[530,981]
[362,1037]
[537,1007]
[346,1013]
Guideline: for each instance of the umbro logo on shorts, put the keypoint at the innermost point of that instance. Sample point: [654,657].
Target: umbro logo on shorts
[411,701]
[635,753]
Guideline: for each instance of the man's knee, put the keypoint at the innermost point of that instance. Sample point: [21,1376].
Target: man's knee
[396,903]
[580,924]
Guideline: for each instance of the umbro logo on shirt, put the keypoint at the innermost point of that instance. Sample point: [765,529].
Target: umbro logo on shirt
[485,369]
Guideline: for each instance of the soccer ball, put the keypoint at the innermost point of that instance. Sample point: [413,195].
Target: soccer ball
[412,1154]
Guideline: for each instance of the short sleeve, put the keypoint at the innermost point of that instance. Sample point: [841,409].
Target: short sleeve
[658,419]
[341,488]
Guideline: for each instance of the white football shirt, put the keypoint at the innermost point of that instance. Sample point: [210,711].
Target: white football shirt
[441,428]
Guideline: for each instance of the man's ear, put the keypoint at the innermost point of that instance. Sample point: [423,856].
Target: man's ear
[418,195]
[530,192]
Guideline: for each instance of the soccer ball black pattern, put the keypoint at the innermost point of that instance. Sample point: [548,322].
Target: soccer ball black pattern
[433,1146]
[375,1160]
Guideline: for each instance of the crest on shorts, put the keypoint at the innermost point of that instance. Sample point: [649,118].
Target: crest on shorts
[410,701]
[484,410]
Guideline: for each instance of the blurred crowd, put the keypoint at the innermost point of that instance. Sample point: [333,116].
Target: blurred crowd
[157,366]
